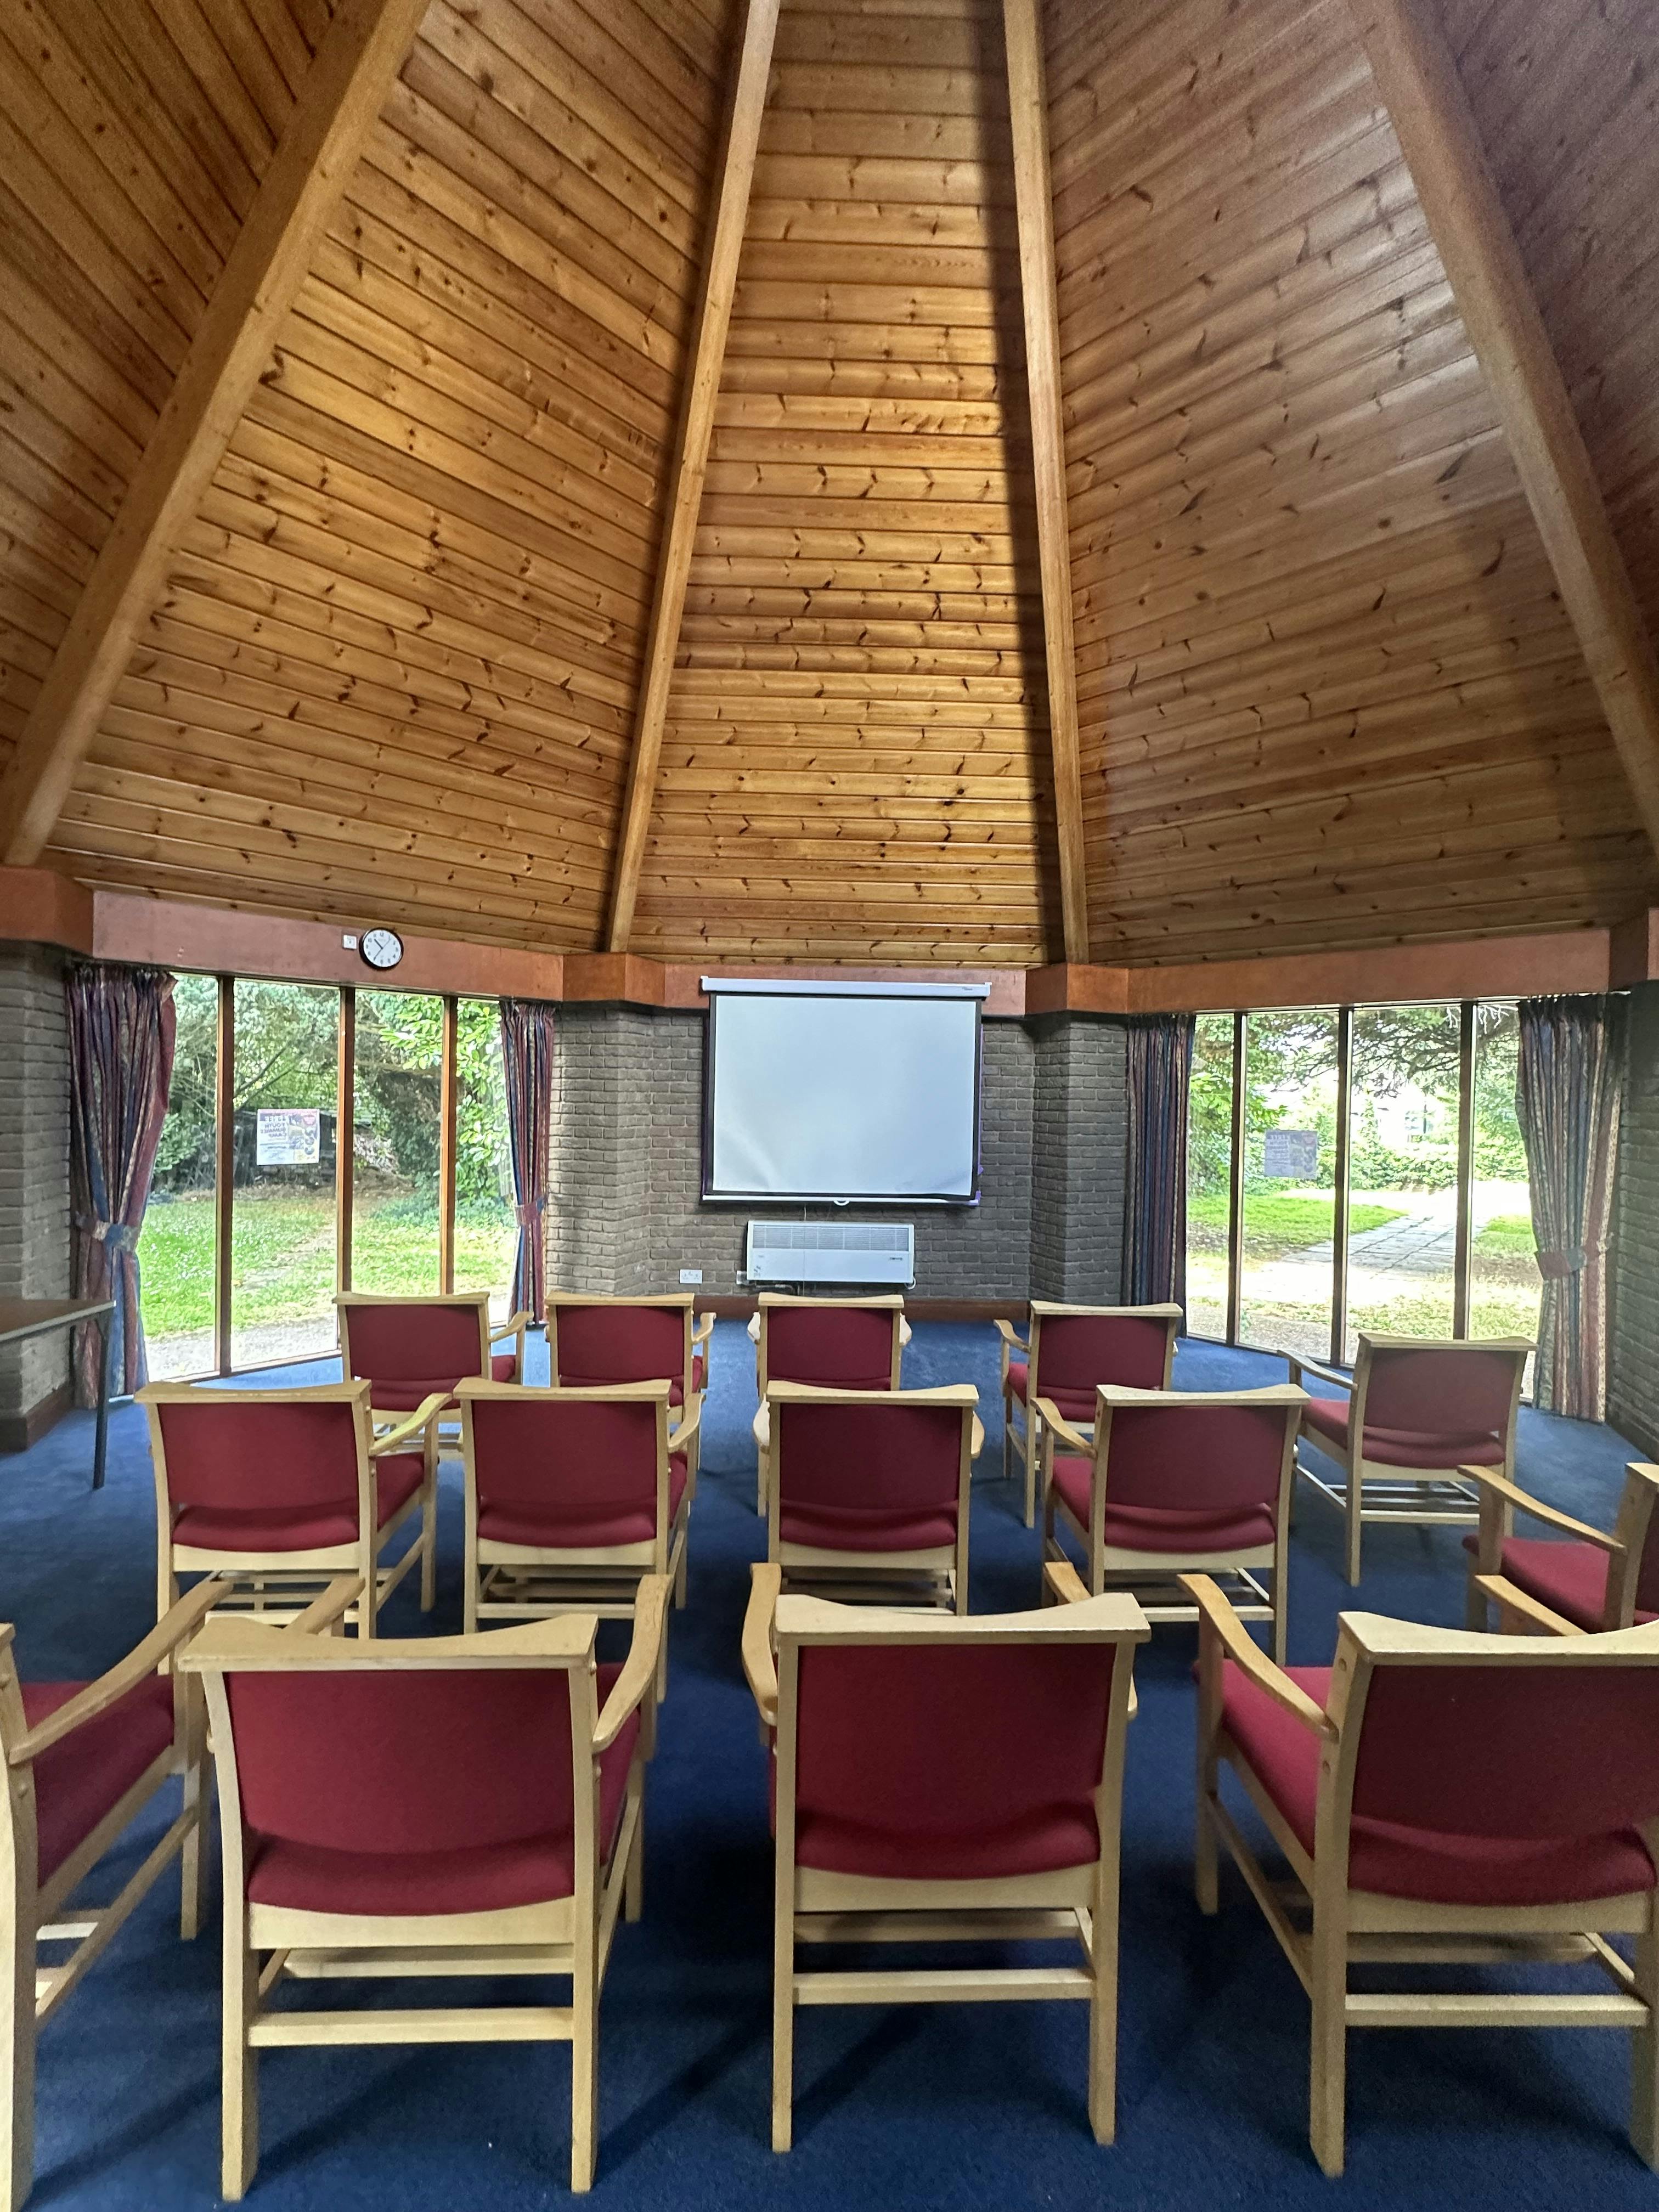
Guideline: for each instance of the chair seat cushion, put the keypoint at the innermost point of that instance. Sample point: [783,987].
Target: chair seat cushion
[1571,1578]
[585,1525]
[1039,1843]
[300,1527]
[78,1780]
[1403,1447]
[1148,1528]
[1429,1864]
[699,1372]
[531,1870]
[403,1397]
[861,1528]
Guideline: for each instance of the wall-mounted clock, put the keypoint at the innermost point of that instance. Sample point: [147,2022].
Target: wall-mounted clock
[382,948]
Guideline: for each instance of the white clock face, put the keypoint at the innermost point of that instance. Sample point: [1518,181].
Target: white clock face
[382,948]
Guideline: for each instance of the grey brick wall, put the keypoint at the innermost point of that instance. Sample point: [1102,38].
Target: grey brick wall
[626,1214]
[1080,1131]
[1633,1347]
[35,1200]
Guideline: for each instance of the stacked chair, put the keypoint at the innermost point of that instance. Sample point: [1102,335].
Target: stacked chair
[835,1344]
[1068,1352]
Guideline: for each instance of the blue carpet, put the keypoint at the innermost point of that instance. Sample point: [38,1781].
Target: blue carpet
[944,2105]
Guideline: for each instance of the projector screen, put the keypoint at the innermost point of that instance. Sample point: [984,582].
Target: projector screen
[834,1091]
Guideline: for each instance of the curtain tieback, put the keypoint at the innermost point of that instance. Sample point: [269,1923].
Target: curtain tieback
[530,1214]
[1554,1266]
[113,1236]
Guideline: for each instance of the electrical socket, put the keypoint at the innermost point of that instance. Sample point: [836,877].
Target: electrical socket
[691,1275]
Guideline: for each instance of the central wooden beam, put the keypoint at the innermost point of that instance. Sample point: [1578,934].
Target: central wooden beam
[339,103]
[1417,74]
[1028,110]
[690,462]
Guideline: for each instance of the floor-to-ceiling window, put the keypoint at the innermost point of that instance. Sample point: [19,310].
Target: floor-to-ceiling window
[1287,1259]
[282,1243]
[486,1220]
[176,1249]
[1402,1172]
[1505,1283]
[1209,1173]
[395,1238]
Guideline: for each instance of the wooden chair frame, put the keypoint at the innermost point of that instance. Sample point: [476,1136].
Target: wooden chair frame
[1431,1498]
[813,1907]
[1501,1500]
[30,1909]
[346,1301]
[519,1582]
[1323,1926]
[699,1338]
[1025,1442]
[936,1578]
[266,1943]
[1154,1578]
[280,1583]
[884,1301]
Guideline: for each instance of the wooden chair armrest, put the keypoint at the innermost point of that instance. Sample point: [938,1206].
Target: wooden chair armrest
[1057,1426]
[520,1321]
[1511,1600]
[1219,1625]
[1015,1342]
[680,1438]
[1062,1584]
[400,1435]
[323,1616]
[639,1672]
[1498,1486]
[760,1663]
[1300,1366]
[704,1329]
[177,1625]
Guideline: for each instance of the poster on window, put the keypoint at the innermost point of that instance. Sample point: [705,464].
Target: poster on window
[1291,1153]
[289,1136]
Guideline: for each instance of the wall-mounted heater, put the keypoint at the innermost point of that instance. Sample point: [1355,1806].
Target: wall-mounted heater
[832,1252]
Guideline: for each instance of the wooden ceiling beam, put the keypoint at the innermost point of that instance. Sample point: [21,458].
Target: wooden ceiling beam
[338,103]
[1417,76]
[707,357]
[1028,106]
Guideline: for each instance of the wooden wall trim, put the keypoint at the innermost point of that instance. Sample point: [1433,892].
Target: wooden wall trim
[1475,968]
[1417,74]
[1028,111]
[1633,950]
[40,907]
[706,355]
[339,103]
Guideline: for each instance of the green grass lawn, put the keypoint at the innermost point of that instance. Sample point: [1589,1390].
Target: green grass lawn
[1508,1235]
[1280,1221]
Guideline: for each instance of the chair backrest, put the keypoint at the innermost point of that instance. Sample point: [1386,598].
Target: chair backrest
[1498,1736]
[1076,1348]
[889,1451]
[937,1728]
[575,1452]
[435,1339]
[1633,1585]
[277,1450]
[1198,1451]
[591,1343]
[1455,1391]
[435,1744]
[840,1344]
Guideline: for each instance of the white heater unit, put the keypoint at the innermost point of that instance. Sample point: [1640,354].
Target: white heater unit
[832,1252]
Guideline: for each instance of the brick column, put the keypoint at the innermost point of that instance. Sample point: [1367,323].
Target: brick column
[1079,1137]
[34,1199]
[1633,1290]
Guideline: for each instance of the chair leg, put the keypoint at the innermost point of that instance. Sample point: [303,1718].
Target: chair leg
[429,1545]
[240,2124]
[17,2062]
[1645,2051]
[1475,1616]
[1207,1856]
[1007,1434]
[470,1600]
[1033,1449]
[193,1857]
[584,2068]
[1327,2083]
[783,2024]
[634,1878]
[1281,1626]
[1102,2024]
[1356,1503]
[679,1581]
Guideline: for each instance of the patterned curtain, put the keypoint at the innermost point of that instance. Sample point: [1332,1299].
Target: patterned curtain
[527,1060]
[1160,1069]
[1571,1071]
[121,1029]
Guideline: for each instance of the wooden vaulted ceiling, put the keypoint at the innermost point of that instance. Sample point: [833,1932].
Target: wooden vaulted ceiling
[393,661]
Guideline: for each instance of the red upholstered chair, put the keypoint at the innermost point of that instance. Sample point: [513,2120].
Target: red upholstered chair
[1069,1352]
[441,1805]
[962,1777]
[274,1493]
[1595,1581]
[593,1342]
[834,1344]
[869,1492]
[1426,1413]
[572,1498]
[1174,1482]
[81,1760]
[1445,1797]
[406,1349]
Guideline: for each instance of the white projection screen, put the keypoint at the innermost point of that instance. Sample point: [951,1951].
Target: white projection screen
[837,1090]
